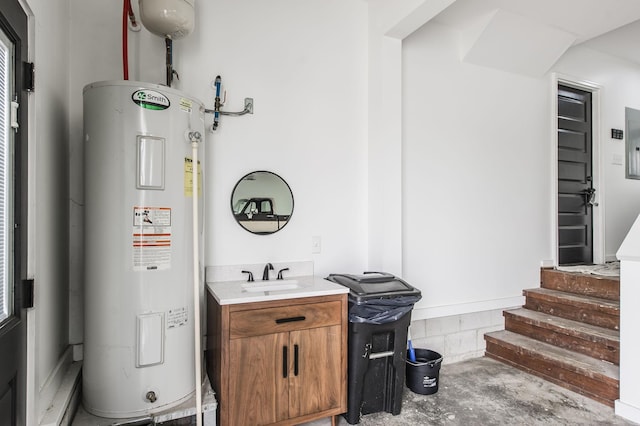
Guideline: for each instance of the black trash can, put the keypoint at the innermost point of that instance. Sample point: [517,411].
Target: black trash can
[423,373]
[380,307]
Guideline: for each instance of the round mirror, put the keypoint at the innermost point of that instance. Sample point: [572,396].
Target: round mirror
[262,202]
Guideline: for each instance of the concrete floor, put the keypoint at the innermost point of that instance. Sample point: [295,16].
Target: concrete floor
[484,392]
[481,392]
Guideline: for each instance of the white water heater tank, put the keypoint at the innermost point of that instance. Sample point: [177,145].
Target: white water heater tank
[139,313]
[168,18]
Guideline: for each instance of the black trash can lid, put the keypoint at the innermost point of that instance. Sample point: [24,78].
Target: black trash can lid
[374,285]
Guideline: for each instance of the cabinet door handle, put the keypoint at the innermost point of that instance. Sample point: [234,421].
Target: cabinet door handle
[285,364]
[295,360]
[291,319]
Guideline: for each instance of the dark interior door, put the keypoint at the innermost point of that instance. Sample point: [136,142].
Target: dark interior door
[13,199]
[575,189]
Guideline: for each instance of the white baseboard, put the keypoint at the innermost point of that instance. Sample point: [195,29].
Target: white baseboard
[627,411]
[52,384]
[78,352]
[73,405]
[58,391]
[610,258]
[466,308]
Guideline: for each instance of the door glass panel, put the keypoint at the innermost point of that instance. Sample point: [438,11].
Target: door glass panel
[6,142]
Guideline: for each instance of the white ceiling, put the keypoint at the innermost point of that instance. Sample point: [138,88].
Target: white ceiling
[544,29]
[623,42]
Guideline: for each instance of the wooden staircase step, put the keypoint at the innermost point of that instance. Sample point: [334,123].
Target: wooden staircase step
[591,310]
[598,380]
[588,285]
[597,342]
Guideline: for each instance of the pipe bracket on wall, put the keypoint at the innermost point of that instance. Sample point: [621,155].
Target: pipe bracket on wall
[217,111]
[248,109]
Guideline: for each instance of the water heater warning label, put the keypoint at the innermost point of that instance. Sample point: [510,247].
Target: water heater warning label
[151,238]
[152,217]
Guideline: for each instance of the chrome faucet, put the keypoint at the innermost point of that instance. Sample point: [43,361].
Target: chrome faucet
[265,275]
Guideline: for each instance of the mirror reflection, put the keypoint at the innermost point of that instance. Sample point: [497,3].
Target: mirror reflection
[262,202]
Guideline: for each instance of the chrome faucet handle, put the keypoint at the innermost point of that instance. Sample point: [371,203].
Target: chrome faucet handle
[265,275]
[250,279]
[280,273]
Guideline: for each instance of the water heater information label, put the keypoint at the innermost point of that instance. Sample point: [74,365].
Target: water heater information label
[188,178]
[151,238]
[186,105]
[177,317]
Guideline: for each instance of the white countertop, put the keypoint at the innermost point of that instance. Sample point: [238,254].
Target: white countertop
[233,292]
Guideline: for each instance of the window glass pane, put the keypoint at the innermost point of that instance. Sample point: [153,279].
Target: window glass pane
[6,135]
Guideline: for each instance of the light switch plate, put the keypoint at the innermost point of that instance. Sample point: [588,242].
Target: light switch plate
[316,245]
[617,159]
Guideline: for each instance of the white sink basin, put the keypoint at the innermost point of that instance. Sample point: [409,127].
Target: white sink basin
[271,285]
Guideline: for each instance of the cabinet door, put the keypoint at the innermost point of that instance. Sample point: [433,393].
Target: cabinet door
[258,379]
[316,384]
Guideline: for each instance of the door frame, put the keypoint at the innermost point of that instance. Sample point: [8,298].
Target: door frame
[596,154]
[23,197]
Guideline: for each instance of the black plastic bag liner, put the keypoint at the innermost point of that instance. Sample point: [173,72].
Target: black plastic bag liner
[380,314]
[377,297]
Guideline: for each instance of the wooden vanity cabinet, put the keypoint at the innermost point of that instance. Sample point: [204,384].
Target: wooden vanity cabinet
[279,362]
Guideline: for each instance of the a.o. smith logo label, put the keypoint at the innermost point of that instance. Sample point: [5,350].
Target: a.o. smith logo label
[150,99]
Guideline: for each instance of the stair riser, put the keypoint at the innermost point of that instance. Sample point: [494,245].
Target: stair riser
[588,316]
[593,388]
[604,350]
[605,288]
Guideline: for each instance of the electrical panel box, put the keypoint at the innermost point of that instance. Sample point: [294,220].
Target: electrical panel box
[632,119]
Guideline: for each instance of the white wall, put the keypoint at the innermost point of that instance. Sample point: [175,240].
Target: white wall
[476,175]
[477,167]
[628,405]
[305,66]
[620,80]
[304,63]
[49,206]
[384,147]
[389,23]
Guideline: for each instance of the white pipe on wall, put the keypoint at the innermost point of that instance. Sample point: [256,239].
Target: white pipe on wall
[195,138]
